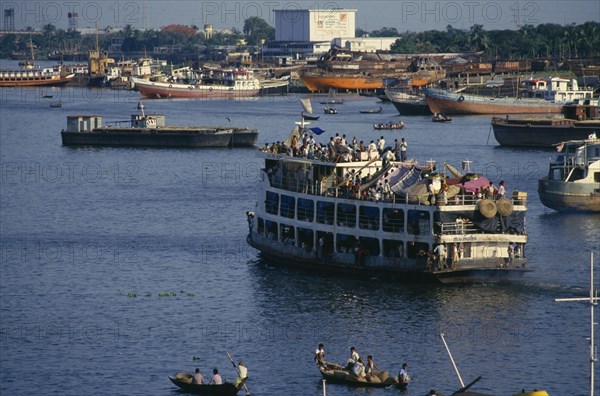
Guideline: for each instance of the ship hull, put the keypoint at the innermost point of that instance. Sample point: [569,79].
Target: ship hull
[531,135]
[174,91]
[569,197]
[412,108]
[402,273]
[458,104]
[244,138]
[36,82]
[147,138]
[316,83]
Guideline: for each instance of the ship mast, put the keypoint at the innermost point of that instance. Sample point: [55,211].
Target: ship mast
[593,300]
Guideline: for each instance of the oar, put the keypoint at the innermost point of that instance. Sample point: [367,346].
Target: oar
[237,370]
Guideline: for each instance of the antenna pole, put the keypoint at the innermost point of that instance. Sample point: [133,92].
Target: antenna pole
[592,347]
[462,384]
[593,300]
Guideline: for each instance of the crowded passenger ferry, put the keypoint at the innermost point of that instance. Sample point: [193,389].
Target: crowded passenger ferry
[355,209]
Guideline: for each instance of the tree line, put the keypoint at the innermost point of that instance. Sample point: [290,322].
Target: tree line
[546,40]
[528,42]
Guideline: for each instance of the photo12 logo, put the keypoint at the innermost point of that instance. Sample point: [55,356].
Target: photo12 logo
[470,12]
[84,13]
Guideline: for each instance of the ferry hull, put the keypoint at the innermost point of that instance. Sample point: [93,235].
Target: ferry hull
[181,91]
[457,104]
[569,197]
[42,82]
[538,136]
[146,138]
[402,273]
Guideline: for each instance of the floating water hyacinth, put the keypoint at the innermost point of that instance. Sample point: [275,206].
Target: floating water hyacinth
[132,294]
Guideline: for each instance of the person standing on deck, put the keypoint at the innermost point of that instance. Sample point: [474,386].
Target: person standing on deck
[403,147]
[501,189]
[320,355]
[440,252]
[380,145]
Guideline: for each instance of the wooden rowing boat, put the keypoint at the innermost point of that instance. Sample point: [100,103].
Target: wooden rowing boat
[184,381]
[337,374]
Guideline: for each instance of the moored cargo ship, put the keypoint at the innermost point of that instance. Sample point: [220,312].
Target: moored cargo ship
[344,70]
[579,121]
[555,93]
[346,214]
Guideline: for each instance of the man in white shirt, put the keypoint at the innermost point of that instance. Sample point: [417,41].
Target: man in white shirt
[403,147]
[440,252]
[403,374]
[242,373]
[381,145]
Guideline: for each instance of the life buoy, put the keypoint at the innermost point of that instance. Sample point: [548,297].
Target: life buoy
[170,85]
[210,89]
[461,98]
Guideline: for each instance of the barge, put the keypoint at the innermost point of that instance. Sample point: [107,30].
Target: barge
[152,130]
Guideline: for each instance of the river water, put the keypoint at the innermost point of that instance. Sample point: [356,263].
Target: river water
[121,266]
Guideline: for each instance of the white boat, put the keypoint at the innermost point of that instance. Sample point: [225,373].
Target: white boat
[220,84]
[308,215]
[573,180]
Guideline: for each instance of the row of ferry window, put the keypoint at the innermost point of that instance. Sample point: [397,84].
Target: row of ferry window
[345,215]
[342,243]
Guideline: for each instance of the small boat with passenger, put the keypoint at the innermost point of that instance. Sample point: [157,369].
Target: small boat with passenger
[372,111]
[337,374]
[184,381]
[389,125]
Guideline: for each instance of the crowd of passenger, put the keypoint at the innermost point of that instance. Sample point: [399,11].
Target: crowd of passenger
[338,149]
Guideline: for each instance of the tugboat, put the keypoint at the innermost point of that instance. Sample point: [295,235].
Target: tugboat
[349,213]
[573,180]
[151,130]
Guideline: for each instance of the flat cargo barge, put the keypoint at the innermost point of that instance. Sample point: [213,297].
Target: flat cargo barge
[150,130]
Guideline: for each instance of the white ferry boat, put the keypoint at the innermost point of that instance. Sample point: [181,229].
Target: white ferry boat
[356,215]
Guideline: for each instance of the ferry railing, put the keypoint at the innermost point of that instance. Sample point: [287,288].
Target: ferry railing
[458,228]
[317,188]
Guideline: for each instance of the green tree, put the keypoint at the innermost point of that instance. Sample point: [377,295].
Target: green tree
[256,30]
[477,38]
[385,32]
